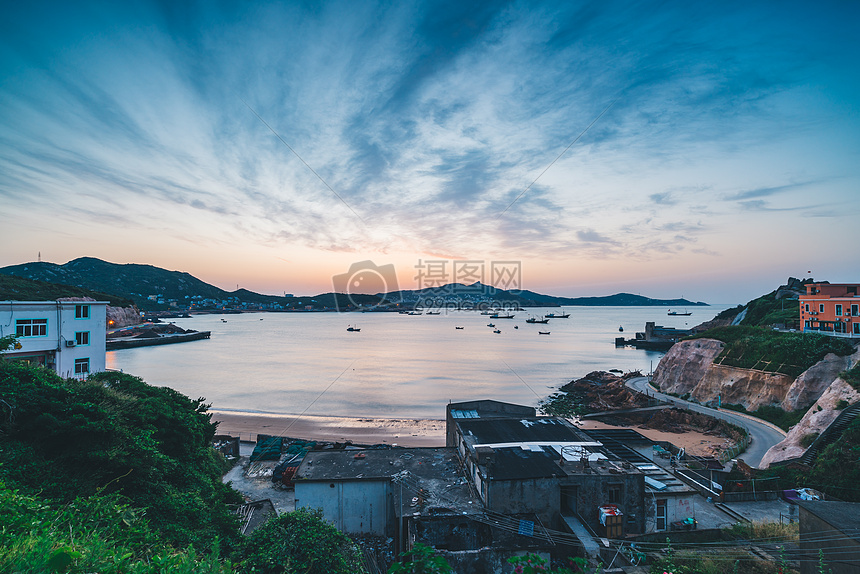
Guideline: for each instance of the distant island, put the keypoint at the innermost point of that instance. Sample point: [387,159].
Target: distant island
[152,288]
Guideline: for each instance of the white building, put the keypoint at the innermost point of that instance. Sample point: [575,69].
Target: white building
[66,336]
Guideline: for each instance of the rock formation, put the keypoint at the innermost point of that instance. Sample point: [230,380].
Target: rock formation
[816,420]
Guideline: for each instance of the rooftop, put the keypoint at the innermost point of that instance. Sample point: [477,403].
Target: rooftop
[844,516]
[431,474]
[499,431]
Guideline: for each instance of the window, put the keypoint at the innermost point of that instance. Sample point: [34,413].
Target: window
[82,311]
[807,307]
[31,327]
[838,310]
[661,514]
[614,494]
[855,310]
[82,338]
[82,366]
[821,307]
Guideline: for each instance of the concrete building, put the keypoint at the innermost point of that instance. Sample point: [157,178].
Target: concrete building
[66,336]
[834,529]
[831,308]
[545,466]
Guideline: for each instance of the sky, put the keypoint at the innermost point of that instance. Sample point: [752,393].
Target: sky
[704,150]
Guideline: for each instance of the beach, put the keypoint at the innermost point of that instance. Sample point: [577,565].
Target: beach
[403,431]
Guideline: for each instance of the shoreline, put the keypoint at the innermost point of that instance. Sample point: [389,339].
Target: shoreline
[405,432]
[408,432]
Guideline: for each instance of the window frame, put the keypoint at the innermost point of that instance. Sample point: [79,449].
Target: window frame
[838,309]
[82,312]
[24,325]
[821,307]
[82,338]
[82,366]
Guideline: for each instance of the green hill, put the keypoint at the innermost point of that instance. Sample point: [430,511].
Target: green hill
[14,288]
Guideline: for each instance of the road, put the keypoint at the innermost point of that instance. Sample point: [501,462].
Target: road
[763,434]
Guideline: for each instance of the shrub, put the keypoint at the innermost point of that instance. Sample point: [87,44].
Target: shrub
[299,541]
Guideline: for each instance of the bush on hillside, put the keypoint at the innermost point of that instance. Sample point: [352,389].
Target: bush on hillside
[299,541]
[114,434]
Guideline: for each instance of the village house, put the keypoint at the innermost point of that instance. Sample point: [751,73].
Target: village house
[66,336]
[831,308]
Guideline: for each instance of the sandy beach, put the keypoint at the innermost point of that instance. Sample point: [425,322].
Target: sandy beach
[403,432]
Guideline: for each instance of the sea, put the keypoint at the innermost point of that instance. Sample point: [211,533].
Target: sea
[396,366]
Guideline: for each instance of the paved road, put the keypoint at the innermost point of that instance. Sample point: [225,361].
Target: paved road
[763,435]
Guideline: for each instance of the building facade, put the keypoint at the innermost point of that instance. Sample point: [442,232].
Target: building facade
[66,336]
[831,308]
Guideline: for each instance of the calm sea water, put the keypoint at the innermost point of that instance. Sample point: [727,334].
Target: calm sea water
[398,365]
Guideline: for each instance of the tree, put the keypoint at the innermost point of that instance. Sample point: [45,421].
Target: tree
[422,559]
[300,542]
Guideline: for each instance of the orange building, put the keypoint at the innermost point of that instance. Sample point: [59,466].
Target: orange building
[831,308]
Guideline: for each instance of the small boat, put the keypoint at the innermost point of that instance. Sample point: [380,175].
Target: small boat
[223,320]
[516,326]
[496,331]
[542,321]
[433,313]
[486,312]
[490,325]
[352,329]
[557,315]
[620,329]
[676,314]
[458,327]
[543,332]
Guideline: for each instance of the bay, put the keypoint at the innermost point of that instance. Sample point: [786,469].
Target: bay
[397,365]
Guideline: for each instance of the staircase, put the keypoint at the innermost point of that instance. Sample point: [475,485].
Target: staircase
[830,434]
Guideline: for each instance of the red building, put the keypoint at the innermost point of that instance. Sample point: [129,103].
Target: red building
[831,308]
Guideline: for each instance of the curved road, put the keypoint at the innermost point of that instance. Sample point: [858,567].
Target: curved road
[763,434]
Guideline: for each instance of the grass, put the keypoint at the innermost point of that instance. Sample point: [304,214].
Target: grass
[852,376]
[775,352]
[783,419]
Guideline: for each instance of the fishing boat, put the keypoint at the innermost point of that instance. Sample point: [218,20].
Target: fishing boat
[433,313]
[352,329]
[490,325]
[676,314]
[557,315]
[543,332]
[497,331]
[458,327]
[497,316]
[534,320]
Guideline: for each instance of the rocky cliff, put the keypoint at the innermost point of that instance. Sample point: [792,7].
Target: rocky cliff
[689,367]
[122,316]
[816,420]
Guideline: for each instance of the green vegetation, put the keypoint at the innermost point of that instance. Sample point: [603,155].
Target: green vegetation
[64,439]
[809,438]
[422,559]
[835,472]
[783,419]
[772,351]
[299,541]
[93,534]
[20,289]
[729,313]
[767,310]
[728,559]
[113,475]
[852,376]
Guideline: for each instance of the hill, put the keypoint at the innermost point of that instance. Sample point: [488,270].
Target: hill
[14,288]
[146,285]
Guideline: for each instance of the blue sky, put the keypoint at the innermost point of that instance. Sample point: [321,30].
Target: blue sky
[725,158]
